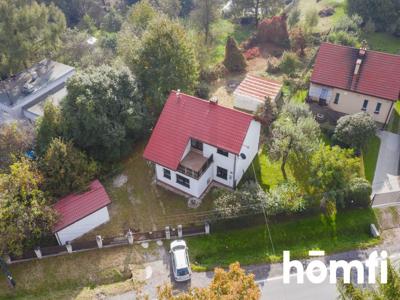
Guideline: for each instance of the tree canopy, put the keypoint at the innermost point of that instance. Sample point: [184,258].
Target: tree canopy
[234,60]
[65,169]
[165,61]
[28,32]
[103,112]
[25,216]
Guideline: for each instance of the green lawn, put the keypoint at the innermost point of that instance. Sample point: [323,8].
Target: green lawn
[381,41]
[370,157]
[268,173]
[252,245]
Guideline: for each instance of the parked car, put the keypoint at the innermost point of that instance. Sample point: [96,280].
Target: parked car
[180,261]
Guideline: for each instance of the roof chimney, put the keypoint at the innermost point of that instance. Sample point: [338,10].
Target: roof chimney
[214,100]
[358,65]
[178,94]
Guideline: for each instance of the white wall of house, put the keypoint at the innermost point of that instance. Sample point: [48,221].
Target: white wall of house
[249,148]
[350,102]
[83,226]
[226,162]
[196,187]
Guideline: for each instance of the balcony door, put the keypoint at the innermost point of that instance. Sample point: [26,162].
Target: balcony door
[323,97]
[197,145]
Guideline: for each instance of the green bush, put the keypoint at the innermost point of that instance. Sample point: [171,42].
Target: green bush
[289,63]
[344,38]
[359,193]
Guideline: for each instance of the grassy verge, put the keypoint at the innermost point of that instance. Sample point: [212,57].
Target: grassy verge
[252,246]
[77,275]
[370,157]
[394,122]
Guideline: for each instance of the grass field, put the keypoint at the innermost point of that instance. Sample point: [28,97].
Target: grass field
[394,122]
[370,157]
[252,245]
[381,41]
[76,276]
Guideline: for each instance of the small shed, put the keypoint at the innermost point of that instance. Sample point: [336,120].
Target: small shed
[81,213]
[251,93]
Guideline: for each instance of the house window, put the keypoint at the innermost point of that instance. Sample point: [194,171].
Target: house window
[167,173]
[197,144]
[182,181]
[378,107]
[222,152]
[336,101]
[365,105]
[222,173]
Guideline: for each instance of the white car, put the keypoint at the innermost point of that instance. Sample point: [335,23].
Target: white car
[180,261]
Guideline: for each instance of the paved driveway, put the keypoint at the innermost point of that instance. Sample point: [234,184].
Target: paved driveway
[386,177]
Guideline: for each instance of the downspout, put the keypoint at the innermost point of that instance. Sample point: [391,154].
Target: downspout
[234,173]
[387,117]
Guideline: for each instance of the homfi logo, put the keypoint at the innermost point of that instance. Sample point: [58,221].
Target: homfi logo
[317,271]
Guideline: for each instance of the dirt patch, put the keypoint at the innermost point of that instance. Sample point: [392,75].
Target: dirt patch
[120,180]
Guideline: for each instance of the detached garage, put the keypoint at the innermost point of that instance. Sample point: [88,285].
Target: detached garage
[251,93]
[81,213]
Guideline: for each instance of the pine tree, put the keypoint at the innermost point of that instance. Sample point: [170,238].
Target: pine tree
[234,60]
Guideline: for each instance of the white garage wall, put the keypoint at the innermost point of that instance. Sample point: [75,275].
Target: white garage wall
[83,226]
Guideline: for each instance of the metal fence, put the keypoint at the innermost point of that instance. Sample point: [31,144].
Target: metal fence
[108,242]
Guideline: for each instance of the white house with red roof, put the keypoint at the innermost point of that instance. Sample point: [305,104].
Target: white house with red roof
[251,93]
[197,142]
[81,213]
[349,80]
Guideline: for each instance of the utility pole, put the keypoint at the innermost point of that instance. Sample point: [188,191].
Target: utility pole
[4,268]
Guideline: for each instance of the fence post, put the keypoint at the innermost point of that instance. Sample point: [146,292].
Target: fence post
[68,246]
[130,237]
[207,228]
[38,252]
[179,231]
[167,233]
[99,241]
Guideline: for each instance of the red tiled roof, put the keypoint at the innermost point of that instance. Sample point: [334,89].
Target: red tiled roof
[258,88]
[75,207]
[186,117]
[379,74]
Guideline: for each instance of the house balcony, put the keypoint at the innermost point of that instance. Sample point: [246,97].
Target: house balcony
[194,164]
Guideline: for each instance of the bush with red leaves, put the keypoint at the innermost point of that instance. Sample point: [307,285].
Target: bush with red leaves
[252,53]
[273,30]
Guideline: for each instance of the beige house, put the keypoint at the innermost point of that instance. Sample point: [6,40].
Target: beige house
[350,80]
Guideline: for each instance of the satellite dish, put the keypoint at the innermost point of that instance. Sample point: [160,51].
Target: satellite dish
[242,155]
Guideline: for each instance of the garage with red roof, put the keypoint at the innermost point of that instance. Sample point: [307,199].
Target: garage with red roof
[81,213]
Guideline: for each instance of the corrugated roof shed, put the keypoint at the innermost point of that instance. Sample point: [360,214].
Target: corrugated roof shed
[75,207]
[258,88]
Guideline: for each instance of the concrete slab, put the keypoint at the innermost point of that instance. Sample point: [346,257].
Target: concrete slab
[386,177]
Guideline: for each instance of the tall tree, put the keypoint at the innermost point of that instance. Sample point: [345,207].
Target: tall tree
[231,284]
[103,112]
[25,216]
[294,132]
[28,33]
[65,169]
[165,61]
[15,139]
[204,14]
[234,60]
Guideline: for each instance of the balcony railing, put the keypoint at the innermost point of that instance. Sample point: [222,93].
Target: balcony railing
[196,174]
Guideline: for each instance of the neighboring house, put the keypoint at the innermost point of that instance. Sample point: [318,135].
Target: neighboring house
[197,142]
[251,93]
[23,94]
[81,213]
[350,80]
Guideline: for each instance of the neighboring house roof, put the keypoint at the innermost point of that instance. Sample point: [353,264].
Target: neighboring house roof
[258,88]
[184,117]
[75,207]
[378,74]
